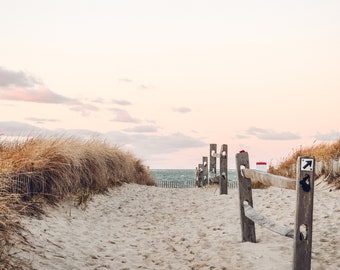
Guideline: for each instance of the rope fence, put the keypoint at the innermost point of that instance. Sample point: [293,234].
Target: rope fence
[304,186]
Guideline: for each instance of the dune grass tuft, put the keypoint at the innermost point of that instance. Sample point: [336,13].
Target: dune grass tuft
[44,170]
[323,152]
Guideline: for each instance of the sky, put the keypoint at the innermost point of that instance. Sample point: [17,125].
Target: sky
[164,79]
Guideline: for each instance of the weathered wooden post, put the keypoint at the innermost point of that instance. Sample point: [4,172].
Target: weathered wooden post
[245,196]
[212,162]
[200,179]
[304,213]
[205,170]
[224,169]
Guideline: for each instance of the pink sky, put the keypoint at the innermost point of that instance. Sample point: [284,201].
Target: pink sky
[164,79]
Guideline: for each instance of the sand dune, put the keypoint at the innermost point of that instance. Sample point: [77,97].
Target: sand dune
[140,227]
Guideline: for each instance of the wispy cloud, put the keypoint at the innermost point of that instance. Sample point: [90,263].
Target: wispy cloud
[98,100]
[39,94]
[145,87]
[165,144]
[242,136]
[85,109]
[19,129]
[268,134]
[125,80]
[38,120]
[144,145]
[12,128]
[182,109]
[21,86]
[18,85]
[16,78]
[330,136]
[123,116]
[121,102]
[142,129]
[133,83]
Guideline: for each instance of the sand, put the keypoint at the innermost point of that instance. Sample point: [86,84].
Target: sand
[140,227]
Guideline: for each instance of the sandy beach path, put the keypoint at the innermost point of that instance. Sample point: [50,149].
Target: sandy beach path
[140,227]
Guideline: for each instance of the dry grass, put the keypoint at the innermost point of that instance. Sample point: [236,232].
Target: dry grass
[43,170]
[324,152]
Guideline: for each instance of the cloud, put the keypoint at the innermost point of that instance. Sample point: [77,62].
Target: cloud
[182,109]
[125,80]
[114,101]
[145,87]
[98,100]
[123,116]
[171,143]
[16,78]
[268,134]
[15,129]
[18,85]
[142,129]
[133,83]
[330,136]
[39,94]
[79,133]
[41,120]
[121,102]
[143,145]
[85,109]
[175,142]
[12,128]
[242,136]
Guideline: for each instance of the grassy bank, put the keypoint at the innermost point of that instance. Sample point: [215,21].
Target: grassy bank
[323,152]
[43,171]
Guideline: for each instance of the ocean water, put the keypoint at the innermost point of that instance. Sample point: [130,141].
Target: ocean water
[183,175]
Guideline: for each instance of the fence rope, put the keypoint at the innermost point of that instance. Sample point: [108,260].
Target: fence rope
[269,179]
[264,222]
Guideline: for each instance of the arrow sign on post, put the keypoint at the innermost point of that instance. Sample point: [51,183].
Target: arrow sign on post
[307,164]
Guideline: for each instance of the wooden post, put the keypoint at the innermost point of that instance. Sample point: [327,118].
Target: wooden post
[245,196]
[200,175]
[224,169]
[305,168]
[205,171]
[212,163]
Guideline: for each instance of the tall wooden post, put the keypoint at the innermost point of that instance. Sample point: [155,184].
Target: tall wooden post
[245,196]
[212,161]
[205,170]
[224,169]
[200,175]
[305,168]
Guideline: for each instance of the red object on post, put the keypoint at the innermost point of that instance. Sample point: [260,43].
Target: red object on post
[261,166]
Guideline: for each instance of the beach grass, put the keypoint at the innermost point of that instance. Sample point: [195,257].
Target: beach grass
[43,170]
[323,153]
